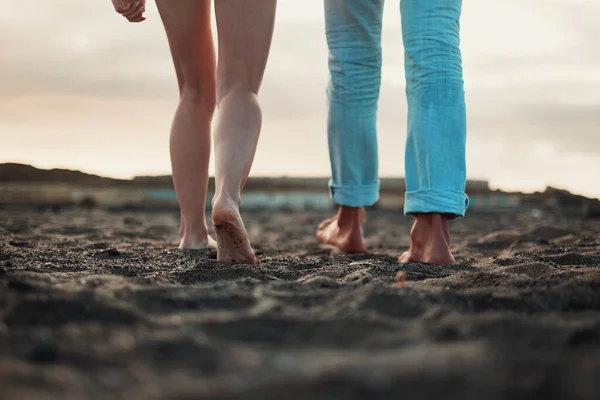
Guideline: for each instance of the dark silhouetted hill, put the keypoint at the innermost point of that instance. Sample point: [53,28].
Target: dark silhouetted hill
[22,173]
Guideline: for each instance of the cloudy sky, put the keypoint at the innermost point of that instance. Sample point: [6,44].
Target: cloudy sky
[81,88]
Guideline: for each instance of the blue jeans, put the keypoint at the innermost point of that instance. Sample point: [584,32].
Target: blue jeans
[435,149]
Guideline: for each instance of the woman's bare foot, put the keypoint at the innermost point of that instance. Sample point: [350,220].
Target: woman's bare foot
[345,230]
[233,245]
[429,241]
[191,240]
[197,242]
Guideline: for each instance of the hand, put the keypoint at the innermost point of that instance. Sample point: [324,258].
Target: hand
[133,10]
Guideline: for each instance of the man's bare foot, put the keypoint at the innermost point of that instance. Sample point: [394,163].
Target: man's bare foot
[429,241]
[345,230]
[233,245]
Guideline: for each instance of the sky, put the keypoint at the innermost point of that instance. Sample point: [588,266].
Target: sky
[82,88]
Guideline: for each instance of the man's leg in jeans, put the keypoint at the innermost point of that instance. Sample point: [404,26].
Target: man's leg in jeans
[354,40]
[435,149]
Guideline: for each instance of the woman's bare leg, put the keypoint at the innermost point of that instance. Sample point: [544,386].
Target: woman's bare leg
[245,30]
[187,23]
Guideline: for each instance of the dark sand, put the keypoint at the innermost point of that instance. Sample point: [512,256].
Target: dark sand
[103,306]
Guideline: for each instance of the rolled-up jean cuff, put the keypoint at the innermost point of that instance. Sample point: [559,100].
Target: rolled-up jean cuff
[436,201]
[354,195]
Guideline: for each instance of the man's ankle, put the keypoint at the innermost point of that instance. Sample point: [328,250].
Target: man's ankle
[349,216]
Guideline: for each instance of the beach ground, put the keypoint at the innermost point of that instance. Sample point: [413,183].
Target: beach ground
[99,305]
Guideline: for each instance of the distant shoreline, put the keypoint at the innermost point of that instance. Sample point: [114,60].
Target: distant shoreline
[23,185]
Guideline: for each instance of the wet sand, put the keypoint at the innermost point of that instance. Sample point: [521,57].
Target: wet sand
[97,305]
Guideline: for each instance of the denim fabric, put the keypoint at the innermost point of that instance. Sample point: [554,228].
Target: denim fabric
[435,149]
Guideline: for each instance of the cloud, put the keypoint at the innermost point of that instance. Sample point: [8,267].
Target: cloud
[532,72]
